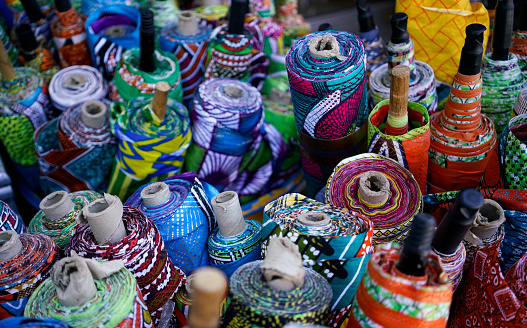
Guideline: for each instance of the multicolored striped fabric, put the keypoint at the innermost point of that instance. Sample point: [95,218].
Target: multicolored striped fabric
[9,220]
[69,37]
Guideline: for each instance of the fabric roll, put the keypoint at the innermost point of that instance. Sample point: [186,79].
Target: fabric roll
[389,298]
[165,12]
[91,6]
[42,61]
[73,156]
[461,139]
[375,51]
[76,84]
[22,322]
[130,82]
[24,105]
[233,148]
[21,275]
[254,304]
[149,149]
[111,30]
[392,218]
[184,220]
[60,230]
[330,104]
[211,16]
[41,29]
[230,253]
[262,32]
[410,150]
[191,52]
[339,250]
[520,107]
[143,253]
[69,36]
[118,304]
[519,49]
[488,297]
[453,264]
[9,220]
[294,24]
[502,82]
[422,88]
[12,51]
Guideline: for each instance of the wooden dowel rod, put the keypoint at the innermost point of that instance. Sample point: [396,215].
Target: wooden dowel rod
[208,290]
[6,67]
[399,91]
[160,99]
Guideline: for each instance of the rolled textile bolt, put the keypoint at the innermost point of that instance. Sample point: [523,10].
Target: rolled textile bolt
[374,188]
[237,16]
[325,27]
[208,287]
[159,103]
[210,3]
[10,245]
[73,278]
[399,22]
[6,66]
[155,194]
[280,97]
[105,217]
[397,122]
[56,205]
[366,22]
[489,218]
[228,212]
[457,221]
[502,34]
[187,22]
[282,267]
[93,114]
[417,247]
[314,219]
[325,46]
[32,10]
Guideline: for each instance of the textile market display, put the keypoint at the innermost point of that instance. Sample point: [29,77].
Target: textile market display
[410,150]
[118,302]
[131,82]
[9,220]
[23,273]
[502,83]
[35,56]
[60,230]
[150,149]
[39,19]
[400,51]
[294,24]
[389,298]
[111,30]
[184,217]
[22,322]
[253,303]
[69,35]
[328,89]
[439,29]
[233,148]
[379,188]
[76,84]
[369,34]
[462,138]
[143,253]
[335,242]
[191,52]
[75,154]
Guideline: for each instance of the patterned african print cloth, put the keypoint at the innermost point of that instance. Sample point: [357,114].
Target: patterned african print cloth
[42,61]
[253,303]
[488,297]
[338,250]
[149,149]
[519,49]
[233,148]
[22,322]
[143,253]
[60,230]
[12,51]
[502,82]
[21,275]
[69,36]
[210,16]
[391,299]
[422,88]
[520,107]
[165,12]
[24,104]
[130,82]
[391,218]
[111,30]
[330,104]
[453,264]
[375,51]
[294,24]
[118,304]
[462,138]
[73,156]
[191,52]
[9,220]
[184,220]
[410,150]
[90,6]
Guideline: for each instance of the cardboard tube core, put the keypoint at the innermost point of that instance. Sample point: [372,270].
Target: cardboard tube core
[105,217]
[155,194]
[374,188]
[282,267]
[10,245]
[93,114]
[56,205]
[228,212]
[187,22]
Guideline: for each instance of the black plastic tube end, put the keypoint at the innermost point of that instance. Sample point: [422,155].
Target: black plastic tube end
[325,27]
[366,21]
[522,25]
[32,10]
[399,22]
[501,36]
[472,52]
[62,5]
[147,34]
[237,16]
[27,39]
